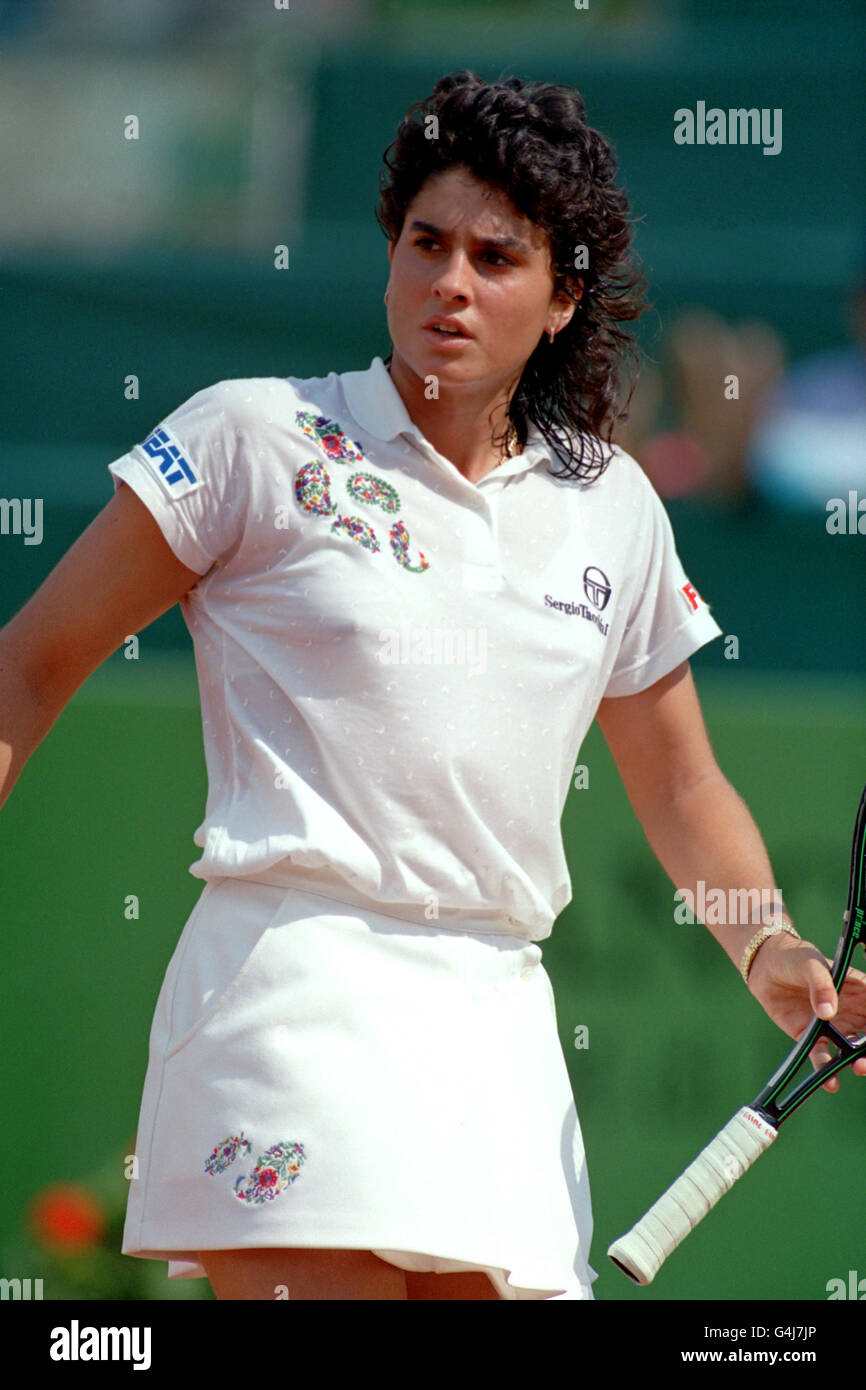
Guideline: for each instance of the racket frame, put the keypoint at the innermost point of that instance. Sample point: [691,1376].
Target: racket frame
[770,1108]
[769,1102]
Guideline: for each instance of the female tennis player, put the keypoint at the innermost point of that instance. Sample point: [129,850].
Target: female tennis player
[410,589]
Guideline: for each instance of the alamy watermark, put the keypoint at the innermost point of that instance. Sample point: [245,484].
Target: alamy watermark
[22,1289]
[436,646]
[847,518]
[718,907]
[736,126]
[852,1288]
[21,511]
[77,1343]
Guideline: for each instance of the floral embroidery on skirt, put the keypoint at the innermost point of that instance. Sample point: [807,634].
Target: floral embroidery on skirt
[225,1153]
[269,1179]
[275,1170]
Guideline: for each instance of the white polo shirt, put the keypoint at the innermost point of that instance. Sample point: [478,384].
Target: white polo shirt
[397,666]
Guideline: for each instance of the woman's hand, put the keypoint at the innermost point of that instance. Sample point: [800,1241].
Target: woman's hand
[792,981]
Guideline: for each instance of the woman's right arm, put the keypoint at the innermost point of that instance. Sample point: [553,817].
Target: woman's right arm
[119,576]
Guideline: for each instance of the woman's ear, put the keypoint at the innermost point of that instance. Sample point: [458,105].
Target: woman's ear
[568,303]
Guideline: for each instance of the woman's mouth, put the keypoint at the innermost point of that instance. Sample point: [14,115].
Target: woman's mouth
[444,336]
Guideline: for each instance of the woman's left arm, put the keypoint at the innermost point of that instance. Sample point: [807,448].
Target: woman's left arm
[700,829]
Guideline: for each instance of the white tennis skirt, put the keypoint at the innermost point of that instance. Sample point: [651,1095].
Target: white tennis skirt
[323,1076]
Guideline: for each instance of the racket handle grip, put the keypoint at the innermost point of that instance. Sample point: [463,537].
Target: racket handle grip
[641,1253]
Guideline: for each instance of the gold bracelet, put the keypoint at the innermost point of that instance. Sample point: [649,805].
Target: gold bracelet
[758,940]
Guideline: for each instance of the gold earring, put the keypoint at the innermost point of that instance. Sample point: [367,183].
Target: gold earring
[550,334]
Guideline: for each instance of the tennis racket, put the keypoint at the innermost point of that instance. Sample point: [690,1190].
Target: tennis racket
[641,1253]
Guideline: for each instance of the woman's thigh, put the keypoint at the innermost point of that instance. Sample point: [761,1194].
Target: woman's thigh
[301,1274]
[332,1274]
[468,1284]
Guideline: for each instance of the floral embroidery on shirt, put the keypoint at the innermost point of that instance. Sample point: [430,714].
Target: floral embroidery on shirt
[225,1153]
[274,1172]
[358,530]
[312,489]
[332,439]
[368,488]
[400,545]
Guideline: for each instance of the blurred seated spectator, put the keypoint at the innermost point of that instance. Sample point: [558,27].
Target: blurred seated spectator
[810,442]
[718,374]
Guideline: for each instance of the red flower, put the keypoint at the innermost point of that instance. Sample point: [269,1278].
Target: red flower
[66,1218]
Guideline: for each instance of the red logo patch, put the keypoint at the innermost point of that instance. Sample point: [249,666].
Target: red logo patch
[692,596]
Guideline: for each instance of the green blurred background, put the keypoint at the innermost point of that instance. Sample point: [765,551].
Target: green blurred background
[156,259]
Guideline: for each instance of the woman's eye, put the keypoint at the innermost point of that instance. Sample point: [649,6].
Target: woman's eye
[426,242]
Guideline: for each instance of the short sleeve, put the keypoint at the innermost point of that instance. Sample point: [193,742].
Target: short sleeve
[189,472]
[668,620]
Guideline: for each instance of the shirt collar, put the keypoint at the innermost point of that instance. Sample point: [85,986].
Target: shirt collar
[378,407]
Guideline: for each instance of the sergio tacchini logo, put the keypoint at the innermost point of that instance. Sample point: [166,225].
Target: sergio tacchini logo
[598,590]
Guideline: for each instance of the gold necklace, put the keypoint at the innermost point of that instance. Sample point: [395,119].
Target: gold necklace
[510,436]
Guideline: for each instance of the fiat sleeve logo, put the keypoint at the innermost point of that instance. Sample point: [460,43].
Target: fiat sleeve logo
[596,586]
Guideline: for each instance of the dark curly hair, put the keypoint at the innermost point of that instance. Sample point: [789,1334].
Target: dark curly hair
[531,141]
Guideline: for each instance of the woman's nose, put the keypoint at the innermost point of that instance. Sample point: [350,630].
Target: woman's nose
[452,280]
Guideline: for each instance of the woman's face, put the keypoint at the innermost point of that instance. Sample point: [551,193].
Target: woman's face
[466,253]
